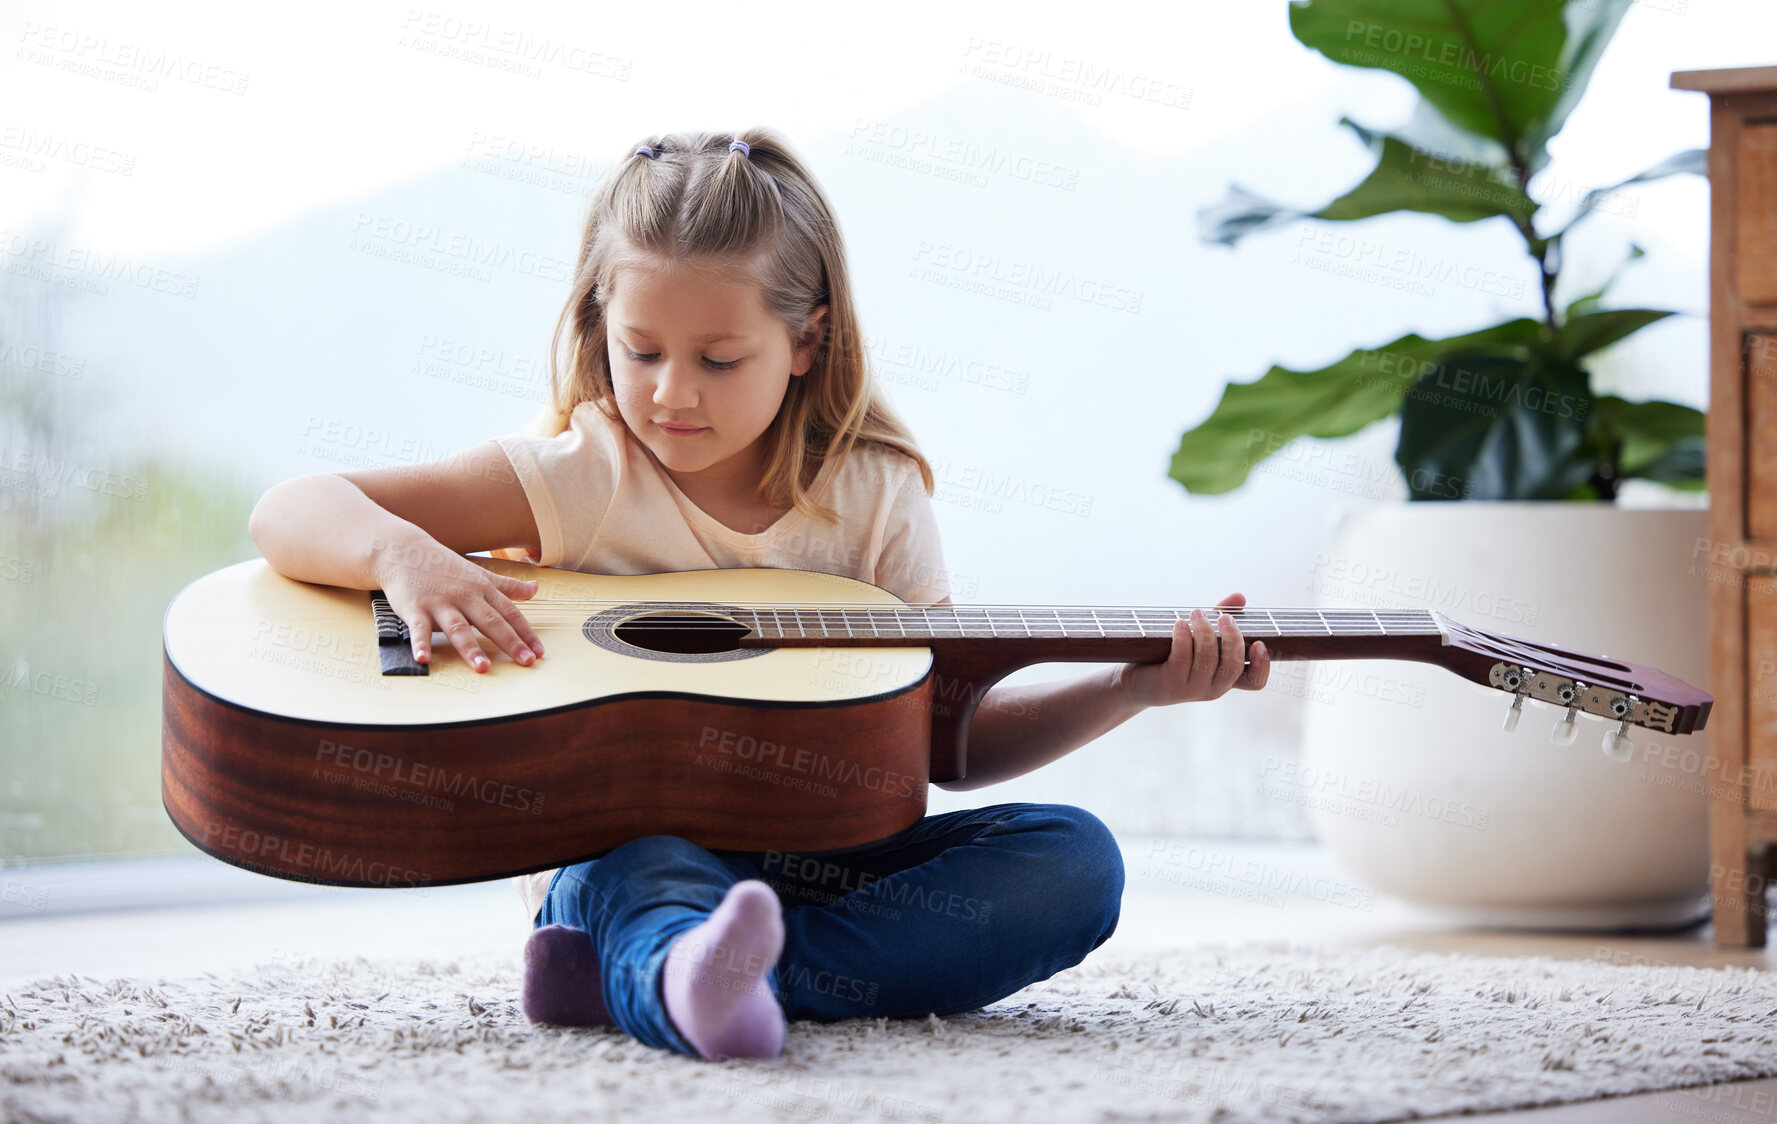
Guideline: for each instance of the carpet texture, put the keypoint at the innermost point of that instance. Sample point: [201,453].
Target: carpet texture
[1225,1035]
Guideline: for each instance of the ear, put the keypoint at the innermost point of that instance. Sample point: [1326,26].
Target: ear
[812,331]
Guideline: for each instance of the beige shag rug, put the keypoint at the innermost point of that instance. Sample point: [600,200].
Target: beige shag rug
[1250,1033]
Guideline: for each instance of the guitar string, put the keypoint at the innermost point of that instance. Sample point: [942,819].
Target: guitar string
[1292,623]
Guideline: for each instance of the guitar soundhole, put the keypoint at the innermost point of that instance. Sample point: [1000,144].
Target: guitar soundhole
[681,633]
[676,632]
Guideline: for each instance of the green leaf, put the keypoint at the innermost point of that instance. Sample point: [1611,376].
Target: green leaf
[1692,161]
[1590,26]
[1409,179]
[1256,419]
[1661,441]
[1240,214]
[1590,302]
[1405,178]
[1506,69]
[1592,331]
[1494,427]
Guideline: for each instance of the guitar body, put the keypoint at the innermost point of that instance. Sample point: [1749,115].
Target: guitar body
[287,750]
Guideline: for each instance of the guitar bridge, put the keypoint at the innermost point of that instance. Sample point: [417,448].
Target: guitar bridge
[394,644]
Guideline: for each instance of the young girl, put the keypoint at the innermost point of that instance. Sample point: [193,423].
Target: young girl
[716,410]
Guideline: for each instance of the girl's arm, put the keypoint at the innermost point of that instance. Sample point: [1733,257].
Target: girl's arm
[1020,728]
[405,531]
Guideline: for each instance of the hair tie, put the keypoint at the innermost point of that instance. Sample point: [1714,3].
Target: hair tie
[644,150]
[742,146]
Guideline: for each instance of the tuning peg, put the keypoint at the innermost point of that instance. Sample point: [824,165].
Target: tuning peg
[1565,731]
[1618,746]
[1513,713]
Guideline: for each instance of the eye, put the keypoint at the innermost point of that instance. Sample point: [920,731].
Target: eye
[653,355]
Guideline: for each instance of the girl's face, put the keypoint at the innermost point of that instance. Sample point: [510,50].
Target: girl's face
[689,350]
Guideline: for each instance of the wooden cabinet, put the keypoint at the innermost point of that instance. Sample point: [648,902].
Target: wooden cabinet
[1739,560]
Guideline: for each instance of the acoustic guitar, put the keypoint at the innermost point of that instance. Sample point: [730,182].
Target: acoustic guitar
[744,709]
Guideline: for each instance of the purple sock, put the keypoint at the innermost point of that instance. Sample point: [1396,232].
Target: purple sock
[562,985]
[714,978]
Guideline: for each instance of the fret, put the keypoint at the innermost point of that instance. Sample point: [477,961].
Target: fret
[1380,627]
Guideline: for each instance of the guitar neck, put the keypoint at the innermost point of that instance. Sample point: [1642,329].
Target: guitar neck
[1084,633]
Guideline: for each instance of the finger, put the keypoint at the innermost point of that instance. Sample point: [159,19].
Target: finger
[1232,601]
[1231,666]
[496,628]
[419,630]
[1258,672]
[462,637]
[516,619]
[1203,653]
[516,587]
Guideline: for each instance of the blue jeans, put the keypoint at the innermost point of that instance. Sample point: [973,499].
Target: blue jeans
[955,912]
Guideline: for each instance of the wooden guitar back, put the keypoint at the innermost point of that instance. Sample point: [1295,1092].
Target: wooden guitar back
[286,751]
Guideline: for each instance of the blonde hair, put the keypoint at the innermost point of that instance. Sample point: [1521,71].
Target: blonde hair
[757,217]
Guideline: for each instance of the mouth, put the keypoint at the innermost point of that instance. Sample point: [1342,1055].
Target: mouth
[680,430]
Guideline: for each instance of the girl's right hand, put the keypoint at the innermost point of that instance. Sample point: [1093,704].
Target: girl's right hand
[430,586]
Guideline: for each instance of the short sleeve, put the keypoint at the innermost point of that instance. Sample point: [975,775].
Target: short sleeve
[570,480]
[911,565]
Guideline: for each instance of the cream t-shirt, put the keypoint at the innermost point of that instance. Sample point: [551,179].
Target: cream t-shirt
[604,505]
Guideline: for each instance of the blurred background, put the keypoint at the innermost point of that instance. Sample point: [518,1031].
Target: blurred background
[238,246]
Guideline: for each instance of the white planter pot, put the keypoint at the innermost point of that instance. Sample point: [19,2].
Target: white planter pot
[1411,783]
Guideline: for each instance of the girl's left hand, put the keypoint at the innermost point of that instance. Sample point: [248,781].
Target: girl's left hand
[1192,672]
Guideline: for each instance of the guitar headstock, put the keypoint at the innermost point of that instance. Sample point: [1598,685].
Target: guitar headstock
[1624,693]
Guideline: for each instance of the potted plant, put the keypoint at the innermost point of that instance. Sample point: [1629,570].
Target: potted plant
[1426,801]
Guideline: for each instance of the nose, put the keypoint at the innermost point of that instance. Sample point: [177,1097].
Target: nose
[675,389]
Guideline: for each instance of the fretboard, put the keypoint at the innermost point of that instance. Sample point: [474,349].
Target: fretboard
[1071,622]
